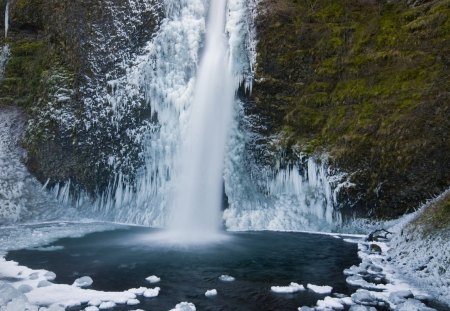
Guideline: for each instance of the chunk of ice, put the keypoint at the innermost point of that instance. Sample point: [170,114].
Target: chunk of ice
[211,292]
[84,281]
[152,292]
[133,302]
[107,305]
[185,306]
[153,279]
[330,303]
[138,291]
[226,278]
[320,289]
[291,288]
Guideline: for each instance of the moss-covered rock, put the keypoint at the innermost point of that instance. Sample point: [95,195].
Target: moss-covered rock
[367,82]
[62,54]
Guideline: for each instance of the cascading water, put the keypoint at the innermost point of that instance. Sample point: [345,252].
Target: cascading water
[180,183]
[196,207]
[6,19]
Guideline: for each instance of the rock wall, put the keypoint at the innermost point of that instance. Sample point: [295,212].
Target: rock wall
[365,82]
[63,55]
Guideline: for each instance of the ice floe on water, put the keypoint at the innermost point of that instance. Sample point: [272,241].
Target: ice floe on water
[184,306]
[226,278]
[291,288]
[153,279]
[211,293]
[152,292]
[320,289]
[84,281]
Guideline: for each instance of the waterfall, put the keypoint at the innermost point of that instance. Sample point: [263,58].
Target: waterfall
[187,75]
[6,19]
[198,194]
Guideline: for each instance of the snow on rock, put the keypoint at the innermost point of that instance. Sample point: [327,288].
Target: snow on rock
[320,289]
[291,288]
[84,281]
[184,306]
[153,279]
[152,292]
[226,278]
[211,292]
[91,308]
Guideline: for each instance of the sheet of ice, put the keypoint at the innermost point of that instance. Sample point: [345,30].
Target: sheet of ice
[226,278]
[320,289]
[39,234]
[211,292]
[291,288]
[153,279]
[184,306]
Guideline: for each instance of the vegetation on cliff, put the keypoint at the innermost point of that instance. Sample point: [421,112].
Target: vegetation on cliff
[367,82]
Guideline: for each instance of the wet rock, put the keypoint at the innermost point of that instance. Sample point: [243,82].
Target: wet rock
[375,249]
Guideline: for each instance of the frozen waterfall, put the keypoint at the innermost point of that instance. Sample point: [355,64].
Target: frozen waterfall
[188,74]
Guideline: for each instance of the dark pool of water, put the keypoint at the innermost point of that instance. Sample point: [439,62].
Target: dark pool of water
[122,259]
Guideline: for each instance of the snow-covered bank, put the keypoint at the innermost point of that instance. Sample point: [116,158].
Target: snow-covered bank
[422,254]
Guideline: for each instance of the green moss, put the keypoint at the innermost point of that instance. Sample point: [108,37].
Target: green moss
[364,79]
[24,70]
[436,217]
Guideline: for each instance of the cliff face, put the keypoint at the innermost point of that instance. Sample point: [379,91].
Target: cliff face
[365,82]
[63,53]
